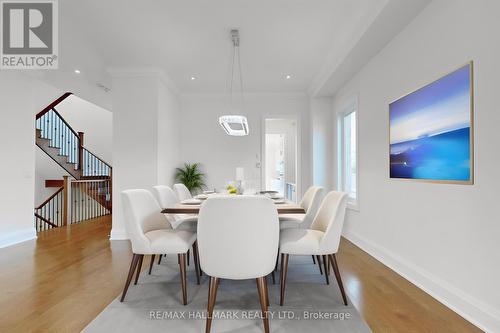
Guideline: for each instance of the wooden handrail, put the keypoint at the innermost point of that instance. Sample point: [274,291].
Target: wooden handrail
[46,221]
[65,122]
[53,104]
[50,198]
[100,159]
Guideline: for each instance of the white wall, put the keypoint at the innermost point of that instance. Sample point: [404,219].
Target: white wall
[45,168]
[204,141]
[21,97]
[168,135]
[17,170]
[144,137]
[322,138]
[444,238]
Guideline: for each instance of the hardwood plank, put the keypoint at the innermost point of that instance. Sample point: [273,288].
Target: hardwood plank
[390,303]
[64,279]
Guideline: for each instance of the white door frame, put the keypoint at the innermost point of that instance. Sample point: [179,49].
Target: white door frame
[298,150]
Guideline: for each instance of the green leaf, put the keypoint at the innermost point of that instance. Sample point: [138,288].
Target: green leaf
[191,176]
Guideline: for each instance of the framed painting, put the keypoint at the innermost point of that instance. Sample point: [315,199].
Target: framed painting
[431,131]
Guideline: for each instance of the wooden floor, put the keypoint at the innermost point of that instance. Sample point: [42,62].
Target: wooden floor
[62,280]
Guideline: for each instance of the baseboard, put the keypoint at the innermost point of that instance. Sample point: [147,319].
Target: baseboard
[118,234]
[478,313]
[16,237]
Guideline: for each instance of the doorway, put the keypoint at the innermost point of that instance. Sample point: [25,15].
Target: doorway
[280,157]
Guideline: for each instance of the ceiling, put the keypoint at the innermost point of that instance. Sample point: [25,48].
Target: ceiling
[320,43]
[191,37]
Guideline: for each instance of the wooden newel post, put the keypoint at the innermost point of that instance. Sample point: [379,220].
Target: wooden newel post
[65,200]
[80,151]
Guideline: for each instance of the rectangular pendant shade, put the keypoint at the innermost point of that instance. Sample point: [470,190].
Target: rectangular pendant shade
[234,125]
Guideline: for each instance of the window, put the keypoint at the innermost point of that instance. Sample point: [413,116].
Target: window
[347,159]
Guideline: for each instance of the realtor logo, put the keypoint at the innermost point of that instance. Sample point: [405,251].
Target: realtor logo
[29,34]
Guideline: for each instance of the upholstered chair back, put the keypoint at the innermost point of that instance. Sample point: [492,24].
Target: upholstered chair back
[182,192]
[311,202]
[238,236]
[142,214]
[330,220]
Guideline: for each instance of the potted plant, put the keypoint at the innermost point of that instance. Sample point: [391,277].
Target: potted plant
[191,176]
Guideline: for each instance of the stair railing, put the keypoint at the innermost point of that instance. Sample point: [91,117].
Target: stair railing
[70,143]
[90,196]
[52,126]
[93,166]
[60,134]
[90,199]
[49,214]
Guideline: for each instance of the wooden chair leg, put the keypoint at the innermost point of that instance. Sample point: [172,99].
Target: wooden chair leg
[212,295]
[274,279]
[188,257]
[277,259]
[133,265]
[325,266]
[333,261]
[182,264]
[159,258]
[329,265]
[261,286]
[314,260]
[198,259]
[284,269]
[151,263]
[196,262]
[318,259]
[139,266]
[266,290]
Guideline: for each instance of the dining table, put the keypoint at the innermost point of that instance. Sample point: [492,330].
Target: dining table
[286,207]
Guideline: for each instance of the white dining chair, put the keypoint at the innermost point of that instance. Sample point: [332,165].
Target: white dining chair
[238,239]
[310,202]
[182,192]
[150,233]
[167,198]
[322,239]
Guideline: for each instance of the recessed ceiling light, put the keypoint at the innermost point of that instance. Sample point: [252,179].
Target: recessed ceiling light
[77,71]
[193,78]
[288,77]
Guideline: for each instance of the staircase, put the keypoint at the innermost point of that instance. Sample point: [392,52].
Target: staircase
[91,186]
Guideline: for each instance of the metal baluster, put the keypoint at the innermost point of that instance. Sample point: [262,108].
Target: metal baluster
[58,134]
[51,211]
[73,197]
[96,197]
[58,209]
[85,197]
[79,202]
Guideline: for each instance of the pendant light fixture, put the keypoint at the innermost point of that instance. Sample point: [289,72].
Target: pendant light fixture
[235,124]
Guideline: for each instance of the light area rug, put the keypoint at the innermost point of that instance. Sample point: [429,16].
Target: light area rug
[154,304]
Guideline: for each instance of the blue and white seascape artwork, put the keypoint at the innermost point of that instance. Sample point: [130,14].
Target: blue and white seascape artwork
[430,131]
